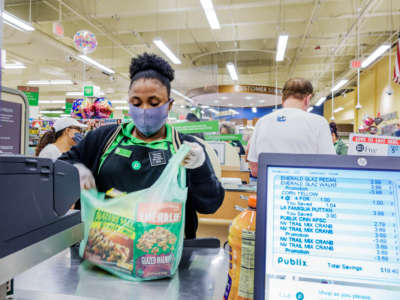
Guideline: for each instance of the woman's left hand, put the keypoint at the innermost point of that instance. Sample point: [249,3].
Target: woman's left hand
[196,156]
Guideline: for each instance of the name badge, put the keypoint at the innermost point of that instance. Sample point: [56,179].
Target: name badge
[123,152]
[157,158]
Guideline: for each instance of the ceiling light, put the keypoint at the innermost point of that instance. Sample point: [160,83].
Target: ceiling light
[96,64]
[16,22]
[211,15]
[164,49]
[57,101]
[181,95]
[205,106]
[232,71]
[320,101]
[73,94]
[254,109]
[261,101]
[340,84]
[182,106]
[338,109]
[216,101]
[230,104]
[374,55]
[281,47]
[310,108]
[119,101]
[248,97]
[50,82]
[65,115]
[44,101]
[224,97]
[14,66]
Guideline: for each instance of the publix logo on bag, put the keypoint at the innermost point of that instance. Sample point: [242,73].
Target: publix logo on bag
[159,213]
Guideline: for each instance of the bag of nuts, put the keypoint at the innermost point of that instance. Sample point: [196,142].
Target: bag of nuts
[138,236]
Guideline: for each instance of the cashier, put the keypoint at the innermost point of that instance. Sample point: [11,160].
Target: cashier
[132,156]
[226,129]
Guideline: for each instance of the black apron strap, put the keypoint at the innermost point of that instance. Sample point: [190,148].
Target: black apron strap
[112,139]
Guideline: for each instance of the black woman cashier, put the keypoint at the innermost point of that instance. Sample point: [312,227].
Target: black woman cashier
[132,156]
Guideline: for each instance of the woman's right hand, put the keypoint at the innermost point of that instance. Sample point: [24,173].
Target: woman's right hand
[85,177]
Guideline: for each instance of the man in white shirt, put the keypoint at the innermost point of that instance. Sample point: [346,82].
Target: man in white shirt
[291,129]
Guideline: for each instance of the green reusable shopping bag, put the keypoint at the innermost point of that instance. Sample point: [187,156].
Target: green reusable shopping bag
[138,236]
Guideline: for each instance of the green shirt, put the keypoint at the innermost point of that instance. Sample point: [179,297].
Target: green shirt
[340,147]
[125,138]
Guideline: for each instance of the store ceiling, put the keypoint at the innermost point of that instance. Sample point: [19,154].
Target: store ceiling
[321,34]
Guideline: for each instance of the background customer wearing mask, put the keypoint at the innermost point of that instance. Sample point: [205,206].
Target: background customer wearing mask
[340,147]
[65,133]
[132,156]
[291,129]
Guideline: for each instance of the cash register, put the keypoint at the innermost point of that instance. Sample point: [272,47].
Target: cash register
[36,196]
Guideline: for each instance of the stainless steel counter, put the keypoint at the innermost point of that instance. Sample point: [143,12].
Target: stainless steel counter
[202,274]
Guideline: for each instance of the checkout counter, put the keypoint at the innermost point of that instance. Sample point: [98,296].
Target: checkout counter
[35,243]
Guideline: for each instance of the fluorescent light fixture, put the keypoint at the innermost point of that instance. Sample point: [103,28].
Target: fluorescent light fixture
[205,106]
[44,101]
[50,82]
[119,101]
[57,101]
[65,115]
[182,106]
[374,55]
[232,71]
[340,84]
[211,15]
[261,101]
[230,104]
[122,108]
[16,22]
[74,94]
[338,109]
[281,47]
[310,108]
[15,66]
[96,64]
[176,92]
[224,97]
[254,109]
[216,101]
[320,101]
[51,111]
[248,97]
[164,49]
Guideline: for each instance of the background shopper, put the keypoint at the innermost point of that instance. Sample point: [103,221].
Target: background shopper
[291,129]
[340,147]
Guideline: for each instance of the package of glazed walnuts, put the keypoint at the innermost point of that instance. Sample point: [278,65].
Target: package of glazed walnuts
[138,236]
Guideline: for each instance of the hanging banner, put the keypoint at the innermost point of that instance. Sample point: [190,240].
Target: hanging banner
[31,93]
[197,127]
[364,144]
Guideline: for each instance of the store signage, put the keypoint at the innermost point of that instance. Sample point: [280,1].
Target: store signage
[58,29]
[197,127]
[31,93]
[364,144]
[88,91]
[10,127]
[223,137]
[258,89]
[355,64]
[68,105]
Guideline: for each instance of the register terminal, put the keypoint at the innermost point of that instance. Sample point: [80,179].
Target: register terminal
[328,228]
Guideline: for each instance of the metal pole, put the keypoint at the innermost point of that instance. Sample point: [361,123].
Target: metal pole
[333,93]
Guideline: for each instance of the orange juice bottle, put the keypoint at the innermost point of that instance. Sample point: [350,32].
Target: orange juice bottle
[242,235]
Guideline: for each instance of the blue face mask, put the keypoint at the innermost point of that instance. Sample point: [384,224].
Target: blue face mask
[397,133]
[149,121]
[77,137]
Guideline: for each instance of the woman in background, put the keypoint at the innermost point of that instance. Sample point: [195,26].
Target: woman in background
[65,133]
[340,147]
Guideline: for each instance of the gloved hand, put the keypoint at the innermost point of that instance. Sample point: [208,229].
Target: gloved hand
[196,156]
[85,177]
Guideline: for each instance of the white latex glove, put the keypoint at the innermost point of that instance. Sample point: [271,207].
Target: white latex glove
[196,156]
[85,177]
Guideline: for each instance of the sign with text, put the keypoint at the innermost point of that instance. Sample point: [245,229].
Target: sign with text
[10,127]
[197,127]
[364,144]
[31,93]
[88,91]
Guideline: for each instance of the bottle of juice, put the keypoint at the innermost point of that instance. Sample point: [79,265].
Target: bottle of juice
[240,285]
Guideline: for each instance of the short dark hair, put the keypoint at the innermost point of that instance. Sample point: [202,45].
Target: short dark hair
[333,127]
[151,66]
[297,88]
